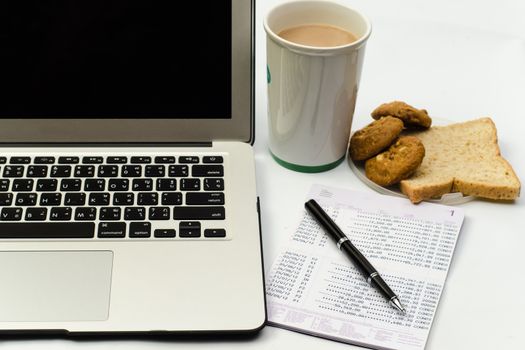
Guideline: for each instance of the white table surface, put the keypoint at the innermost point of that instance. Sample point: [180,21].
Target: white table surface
[459,59]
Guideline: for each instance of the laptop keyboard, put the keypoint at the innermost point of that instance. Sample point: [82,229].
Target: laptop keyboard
[119,197]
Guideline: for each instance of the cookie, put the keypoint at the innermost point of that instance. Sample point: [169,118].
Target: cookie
[397,163]
[374,138]
[411,117]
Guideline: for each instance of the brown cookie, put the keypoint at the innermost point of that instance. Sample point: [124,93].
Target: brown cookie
[374,138]
[409,115]
[397,163]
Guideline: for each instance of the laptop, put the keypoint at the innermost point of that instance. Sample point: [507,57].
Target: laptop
[127,184]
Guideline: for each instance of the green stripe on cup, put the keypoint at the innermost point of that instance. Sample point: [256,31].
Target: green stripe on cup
[305,168]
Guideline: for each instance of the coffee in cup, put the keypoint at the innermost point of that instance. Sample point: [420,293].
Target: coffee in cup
[319,35]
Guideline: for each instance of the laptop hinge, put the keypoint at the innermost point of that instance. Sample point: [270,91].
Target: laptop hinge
[108,144]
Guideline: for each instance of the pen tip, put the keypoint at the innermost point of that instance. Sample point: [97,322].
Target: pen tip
[397,304]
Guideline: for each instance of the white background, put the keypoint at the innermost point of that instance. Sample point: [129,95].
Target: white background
[459,59]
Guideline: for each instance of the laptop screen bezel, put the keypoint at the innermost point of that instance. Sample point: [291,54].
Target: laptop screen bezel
[239,127]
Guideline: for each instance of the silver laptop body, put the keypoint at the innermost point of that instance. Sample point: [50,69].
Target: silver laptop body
[191,259]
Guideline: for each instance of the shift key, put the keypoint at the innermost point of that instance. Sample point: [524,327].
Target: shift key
[198,213]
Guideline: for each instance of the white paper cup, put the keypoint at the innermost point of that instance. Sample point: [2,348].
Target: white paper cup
[312,91]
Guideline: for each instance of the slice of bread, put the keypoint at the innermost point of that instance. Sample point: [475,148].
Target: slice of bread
[462,157]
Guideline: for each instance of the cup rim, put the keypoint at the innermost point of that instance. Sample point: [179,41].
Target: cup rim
[318,49]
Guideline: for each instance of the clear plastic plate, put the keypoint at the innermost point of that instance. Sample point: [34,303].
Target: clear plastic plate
[447,199]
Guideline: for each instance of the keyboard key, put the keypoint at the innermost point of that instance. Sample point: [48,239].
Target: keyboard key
[164,160]
[68,160]
[99,198]
[20,160]
[3,160]
[37,171]
[94,185]
[214,232]
[47,230]
[107,171]
[6,199]
[198,213]
[142,185]
[165,233]
[60,214]
[10,214]
[154,171]
[26,199]
[117,160]
[36,214]
[70,185]
[171,198]
[205,198]
[188,159]
[212,159]
[86,214]
[148,198]
[61,171]
[159,213]
[135,213]
[50,198]
[84,171]
[140,160]
[123,198]
[189,229]
[213,184]
[178,171]
[131,171]
[23,185]
[4,185]
[73,198]
[190,184]
[140,230]
[92,160]
[118,185]
[44,160]
[109,213]
[111,230]
[207,170]
[46,185]
[13,171]
[166,184]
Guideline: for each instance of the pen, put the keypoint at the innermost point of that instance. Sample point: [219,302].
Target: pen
[343,243]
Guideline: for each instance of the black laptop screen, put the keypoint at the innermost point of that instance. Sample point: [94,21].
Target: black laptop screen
[115,59]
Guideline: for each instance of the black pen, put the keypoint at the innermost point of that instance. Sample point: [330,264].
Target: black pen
[343,243]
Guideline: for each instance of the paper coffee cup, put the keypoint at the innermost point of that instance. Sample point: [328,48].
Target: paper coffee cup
[312,90]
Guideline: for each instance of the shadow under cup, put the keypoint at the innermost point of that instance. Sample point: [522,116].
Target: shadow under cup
[312,91]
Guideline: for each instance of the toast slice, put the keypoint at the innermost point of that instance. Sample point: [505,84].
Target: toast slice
[462,157]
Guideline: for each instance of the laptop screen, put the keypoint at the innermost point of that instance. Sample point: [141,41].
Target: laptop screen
[115,59]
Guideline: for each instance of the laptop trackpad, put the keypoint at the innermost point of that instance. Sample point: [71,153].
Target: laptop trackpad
[55,285]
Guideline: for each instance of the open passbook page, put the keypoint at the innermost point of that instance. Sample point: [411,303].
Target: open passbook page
[313,288]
